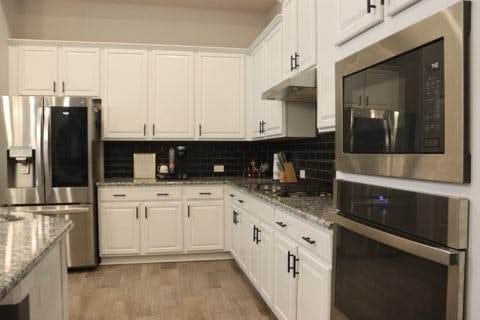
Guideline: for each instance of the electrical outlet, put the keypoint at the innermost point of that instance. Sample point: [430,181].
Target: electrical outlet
[303,174]
[219,168]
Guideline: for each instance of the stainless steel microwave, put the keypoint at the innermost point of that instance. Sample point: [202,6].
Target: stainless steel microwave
[402,103]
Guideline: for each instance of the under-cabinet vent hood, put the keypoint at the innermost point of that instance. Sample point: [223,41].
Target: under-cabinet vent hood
[299,88]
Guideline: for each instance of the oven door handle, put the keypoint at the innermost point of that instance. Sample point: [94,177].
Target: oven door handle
[442,256]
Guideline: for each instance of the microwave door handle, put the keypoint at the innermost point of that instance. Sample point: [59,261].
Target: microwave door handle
[445,257]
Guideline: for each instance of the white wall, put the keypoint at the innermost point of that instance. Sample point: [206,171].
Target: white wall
[4,35]
[94,20]
[471,191]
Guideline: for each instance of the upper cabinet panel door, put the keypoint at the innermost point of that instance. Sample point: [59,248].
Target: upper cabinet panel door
[307,34]
[124,100]
[37,70]
[79,70]
[172,95]
[395,6]
[274,56]
[290,34]
[220,96]
[258,86]
[357,16]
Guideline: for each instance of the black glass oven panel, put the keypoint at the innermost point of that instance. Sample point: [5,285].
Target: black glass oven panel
[397,106]
[419,215]
[377,282]
[69,147]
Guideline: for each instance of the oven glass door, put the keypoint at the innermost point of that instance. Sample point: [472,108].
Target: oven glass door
[376,281]
[397,106]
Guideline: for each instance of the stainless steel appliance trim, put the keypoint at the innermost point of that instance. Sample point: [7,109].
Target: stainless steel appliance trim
[450,24]
[458,213]
[446,257]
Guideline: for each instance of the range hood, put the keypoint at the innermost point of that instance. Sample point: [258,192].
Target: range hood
[299,88]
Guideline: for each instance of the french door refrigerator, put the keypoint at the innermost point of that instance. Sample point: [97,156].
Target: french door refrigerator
[48,164]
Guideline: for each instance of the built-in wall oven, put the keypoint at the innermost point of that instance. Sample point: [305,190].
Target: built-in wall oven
[402,102]
[398,254]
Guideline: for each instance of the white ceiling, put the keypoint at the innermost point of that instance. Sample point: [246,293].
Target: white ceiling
[262,6]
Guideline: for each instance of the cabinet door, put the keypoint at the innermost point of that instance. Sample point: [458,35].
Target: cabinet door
[258,87]
[124,102]
[119,228]
[162,227]
[357,16]
[255,252]
[245,242]
[204,226]
[290,36]
[220,96]
[396,6]
[274,56]
[236,233]
[274,118]
[307,33]
[267,263]
[37,70]
[285,285]
[172,95]
[79,70]
[314,287]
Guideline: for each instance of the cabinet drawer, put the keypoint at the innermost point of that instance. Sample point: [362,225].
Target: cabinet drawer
[238,198]
[318,241]
[204,192]
[140,193]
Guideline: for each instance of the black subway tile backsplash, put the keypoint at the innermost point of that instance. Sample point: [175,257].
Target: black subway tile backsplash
[315,155]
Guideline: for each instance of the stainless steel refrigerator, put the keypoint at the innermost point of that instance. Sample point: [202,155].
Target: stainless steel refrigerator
[48,164]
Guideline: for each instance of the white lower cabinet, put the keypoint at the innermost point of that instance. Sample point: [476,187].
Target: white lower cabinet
[266,239]
[162,227]
[244,241]
[119,228]
[204,226]
[285,292]
[255,271]
[314,283]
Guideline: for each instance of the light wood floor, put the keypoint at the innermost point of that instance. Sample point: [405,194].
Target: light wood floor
[213,290]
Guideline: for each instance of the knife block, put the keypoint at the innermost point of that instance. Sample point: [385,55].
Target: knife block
[289,175]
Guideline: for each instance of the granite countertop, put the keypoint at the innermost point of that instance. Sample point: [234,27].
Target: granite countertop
[316,209]
[24,243]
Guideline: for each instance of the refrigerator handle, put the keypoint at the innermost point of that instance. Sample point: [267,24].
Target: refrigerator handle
[46,150]
[39,175]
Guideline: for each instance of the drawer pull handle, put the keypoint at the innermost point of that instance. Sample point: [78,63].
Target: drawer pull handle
[241,201]
[205,193]
[232,196]
[309,240]
[163,194]
[281,224]
[119,195]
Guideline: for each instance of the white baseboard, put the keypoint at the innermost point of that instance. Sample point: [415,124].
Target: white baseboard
[166,258]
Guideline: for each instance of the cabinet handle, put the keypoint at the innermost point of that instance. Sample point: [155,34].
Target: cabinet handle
[163,194]
[136,212]
[145,130]
[241,201]
[259,126]
[281,224]
[254,233]
[188,211]
[258,235]
[289,267]
[367,101]
[292,60]
[119,195]
[63,86]
[200,129]
[263,126]
[360,100]
[297,57]
[232,195]
[205,193]
[295,261]
[54,86]
[371,6]
[153,130]
[309,240]
[235,217]
[146,213]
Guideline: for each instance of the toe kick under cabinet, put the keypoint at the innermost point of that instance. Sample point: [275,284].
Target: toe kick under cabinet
[153,221]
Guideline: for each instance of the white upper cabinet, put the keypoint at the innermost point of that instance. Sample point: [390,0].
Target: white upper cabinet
[124,98]
[204,226]
[79,71]
[37,70]
[357,16]
[162,227]
[395,6]
[290,36]
[220,95]
[172,95]
[307,34]
[314,287]
[273,56]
